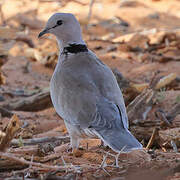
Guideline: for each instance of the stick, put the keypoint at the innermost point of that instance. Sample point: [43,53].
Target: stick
[34,141]
[9,165]
[173,144]
[151,141]
[173,113]
[141,105]
[90,10]
[161,115]
[35,102]
[39,165]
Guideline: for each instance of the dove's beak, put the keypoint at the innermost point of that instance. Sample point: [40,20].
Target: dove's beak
[45,31]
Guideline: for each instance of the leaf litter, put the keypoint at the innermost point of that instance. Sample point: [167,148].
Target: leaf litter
[145,59]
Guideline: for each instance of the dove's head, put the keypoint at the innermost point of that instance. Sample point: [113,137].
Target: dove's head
[65,27]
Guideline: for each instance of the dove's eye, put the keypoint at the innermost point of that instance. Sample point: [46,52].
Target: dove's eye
[59,22]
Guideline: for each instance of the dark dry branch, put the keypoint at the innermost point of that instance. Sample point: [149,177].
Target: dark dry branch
[140,106]
[162,116]
[36,102]
[9,165]
[33,150]
[5,113]
[33,164]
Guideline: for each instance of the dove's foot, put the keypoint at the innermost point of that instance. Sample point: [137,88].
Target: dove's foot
[75,152]
[103,146]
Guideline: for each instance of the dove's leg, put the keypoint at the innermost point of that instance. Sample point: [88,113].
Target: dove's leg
[74,142]
[74,138]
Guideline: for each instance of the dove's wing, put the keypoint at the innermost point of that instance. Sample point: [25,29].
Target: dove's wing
[77,86]
[108,125]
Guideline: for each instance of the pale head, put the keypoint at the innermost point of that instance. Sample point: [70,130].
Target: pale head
[65,27]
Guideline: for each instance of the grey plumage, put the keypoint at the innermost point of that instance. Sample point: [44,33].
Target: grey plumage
[85,92]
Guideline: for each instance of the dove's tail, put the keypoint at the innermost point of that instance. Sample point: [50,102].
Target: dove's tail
[119,140]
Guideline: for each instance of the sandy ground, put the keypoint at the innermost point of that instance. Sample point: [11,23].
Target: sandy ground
[108,19]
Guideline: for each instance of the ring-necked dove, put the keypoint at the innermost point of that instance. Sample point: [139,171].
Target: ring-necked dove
[84,90]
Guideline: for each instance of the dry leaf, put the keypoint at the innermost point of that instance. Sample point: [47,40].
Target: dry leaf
[140,87]
[11,129]
[34,54]
[108,36]
[123,38]
[165,80]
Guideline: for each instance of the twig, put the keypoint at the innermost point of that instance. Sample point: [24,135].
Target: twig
[90,10]
[173,144]
[27,173]
[141,105]
[161,115]
[116,156]
[153,136]
[38,165]
[104,40]
[173,113]
[105,171]
[35,102]
[103,164]
[62,158]
[154,80]
[35,141]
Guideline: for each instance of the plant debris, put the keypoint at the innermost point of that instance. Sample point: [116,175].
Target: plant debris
[139,41]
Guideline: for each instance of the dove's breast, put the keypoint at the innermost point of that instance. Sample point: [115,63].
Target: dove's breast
[70,88]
